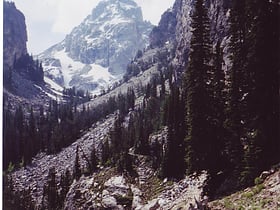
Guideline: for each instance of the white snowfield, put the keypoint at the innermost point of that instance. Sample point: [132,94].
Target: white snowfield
[71,70]
[70,67]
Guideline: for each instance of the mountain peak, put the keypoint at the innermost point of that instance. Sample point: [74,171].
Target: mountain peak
[109,9]
[109,38]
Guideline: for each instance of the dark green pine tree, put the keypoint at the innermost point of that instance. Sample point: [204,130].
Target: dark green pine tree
[105,152]
[168,160]
[217,114]
[10,142]
[32,138]
[65,183]
[197,97]
[77,173]
[216,155]
[116,139]
[93,160]
[51,191]
[173,157]
[141,140]
[19,132]
[262,97]
[237,82]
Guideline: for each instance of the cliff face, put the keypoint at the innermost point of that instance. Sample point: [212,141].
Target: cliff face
[175,30]
[14,34]
[218,14]
[21,73]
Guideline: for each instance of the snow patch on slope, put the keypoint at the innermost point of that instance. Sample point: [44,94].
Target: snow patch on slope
[48,94]
[98,72]
[53,85]
[69,67]
[73,71]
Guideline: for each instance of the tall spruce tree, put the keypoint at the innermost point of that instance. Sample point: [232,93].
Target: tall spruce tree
[237,82]
[216,156]
[173,157]
[77,172]
[51,191]
[217,101]
[93,160]
[197,96]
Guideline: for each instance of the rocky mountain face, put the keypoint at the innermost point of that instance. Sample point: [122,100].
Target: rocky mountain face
[14,34]
[97,51]
[218,13]
[171,38]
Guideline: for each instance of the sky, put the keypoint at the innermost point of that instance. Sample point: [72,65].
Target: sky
[48,21]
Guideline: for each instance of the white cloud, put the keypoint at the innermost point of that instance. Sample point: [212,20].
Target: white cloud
[48,21]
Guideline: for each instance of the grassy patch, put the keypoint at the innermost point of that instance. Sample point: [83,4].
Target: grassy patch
[228,204]
[152,188]
[257,189]
[258,181]
[247,195]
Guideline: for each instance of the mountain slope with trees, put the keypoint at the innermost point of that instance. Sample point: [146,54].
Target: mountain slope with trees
[205,127]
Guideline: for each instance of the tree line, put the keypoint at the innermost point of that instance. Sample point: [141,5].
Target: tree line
[27,132]
[26,66]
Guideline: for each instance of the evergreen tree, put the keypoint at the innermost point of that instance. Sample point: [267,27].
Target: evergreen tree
[105,152]
[198,139]
[93,160]
[19,132]
[173,157]
[216,158]
[51,191]
[237,82]
[65,183]
[141,140]
[116,139]
[77,167]
[32,137]
[217,114]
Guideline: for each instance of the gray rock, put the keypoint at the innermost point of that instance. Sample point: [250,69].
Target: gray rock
[109,202]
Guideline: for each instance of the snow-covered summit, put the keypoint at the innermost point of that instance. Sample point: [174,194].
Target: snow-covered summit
[105,42]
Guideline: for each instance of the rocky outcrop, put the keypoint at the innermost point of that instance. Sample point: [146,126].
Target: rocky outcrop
[165,31]
[14,34]
[109,37]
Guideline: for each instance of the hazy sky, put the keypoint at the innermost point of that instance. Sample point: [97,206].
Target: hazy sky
[48,21]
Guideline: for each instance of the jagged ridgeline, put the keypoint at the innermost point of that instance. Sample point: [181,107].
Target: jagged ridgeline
[197,113]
